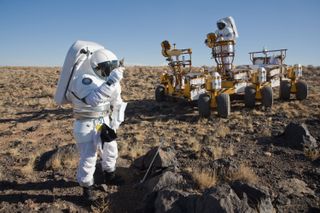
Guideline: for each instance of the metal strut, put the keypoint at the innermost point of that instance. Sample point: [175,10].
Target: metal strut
[154,157]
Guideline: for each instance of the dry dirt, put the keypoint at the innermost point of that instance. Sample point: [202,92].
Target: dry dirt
[31,125]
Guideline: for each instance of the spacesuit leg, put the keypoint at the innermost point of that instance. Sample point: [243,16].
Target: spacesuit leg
[87,164]
[227,60]
[109,156]
[83,133]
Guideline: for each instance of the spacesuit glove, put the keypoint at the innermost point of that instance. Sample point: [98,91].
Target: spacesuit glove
[117,116]
[115,76]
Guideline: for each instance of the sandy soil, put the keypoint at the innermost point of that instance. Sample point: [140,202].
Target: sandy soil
[31,125]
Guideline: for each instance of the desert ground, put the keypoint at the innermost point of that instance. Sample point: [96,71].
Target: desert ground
[33,178]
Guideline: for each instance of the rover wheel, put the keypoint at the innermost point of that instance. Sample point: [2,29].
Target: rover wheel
[204,105]
[267,96]
[160,93]
[223,105]
[302,90]
[249,97]
[285,88]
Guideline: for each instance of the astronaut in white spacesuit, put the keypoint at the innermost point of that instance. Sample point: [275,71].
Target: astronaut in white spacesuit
[90,81]
[227,31]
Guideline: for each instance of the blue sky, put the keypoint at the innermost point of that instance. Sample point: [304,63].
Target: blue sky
[39,32]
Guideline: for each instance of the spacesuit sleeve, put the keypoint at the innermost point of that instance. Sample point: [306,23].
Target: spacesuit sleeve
[101,94]
[106,91]
[229,34]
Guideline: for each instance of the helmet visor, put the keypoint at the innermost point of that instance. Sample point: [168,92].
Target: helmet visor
[221,25]
[103,69]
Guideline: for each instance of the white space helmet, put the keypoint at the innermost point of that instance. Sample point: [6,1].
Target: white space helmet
[228,22]
[103,62]
[221,24]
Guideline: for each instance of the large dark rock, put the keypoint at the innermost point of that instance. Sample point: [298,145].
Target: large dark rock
[162,191]
[221,199]
[166,201]
[295,187]
[167,180]
[165,159]
[298,136]
[259,198]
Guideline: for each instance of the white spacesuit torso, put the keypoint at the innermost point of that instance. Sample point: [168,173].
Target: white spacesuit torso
[225,34]
[88,104]
[81,87]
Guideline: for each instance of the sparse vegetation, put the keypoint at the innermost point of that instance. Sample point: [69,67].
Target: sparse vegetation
[135,151]
[217,152]
[204,178]
[313,154]
[195,146]
[245,174]
[67,162]
[220,152]
[28,169]
[222,131]
[102,206]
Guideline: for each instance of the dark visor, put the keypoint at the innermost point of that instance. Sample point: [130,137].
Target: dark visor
[103,69]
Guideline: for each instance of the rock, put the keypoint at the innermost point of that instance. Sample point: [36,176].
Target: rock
[167,180]
[104,187]
[297,136]
[6,132]
[221,199]
[224,166]
[32,128]
[295,187]
[267,154]
[162,191]
[165,201]
[165,158]
[283,200]
[258,197]
[15,143]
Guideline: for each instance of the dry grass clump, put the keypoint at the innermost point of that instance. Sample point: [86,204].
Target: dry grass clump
[64,161]
[136,151]
[296,109]
[313,154]
[204,178]
[28,169]
[101,205]
[245,174]
[14,152]
[219,152]
[229,151]
[266,132]
[222,131]
[196,146]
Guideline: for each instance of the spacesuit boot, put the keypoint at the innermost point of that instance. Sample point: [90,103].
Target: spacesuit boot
[111,178]
[88,194]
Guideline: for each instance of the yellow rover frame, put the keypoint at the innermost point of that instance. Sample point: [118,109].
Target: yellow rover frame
[180,81]
[290,76]
[242,81]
